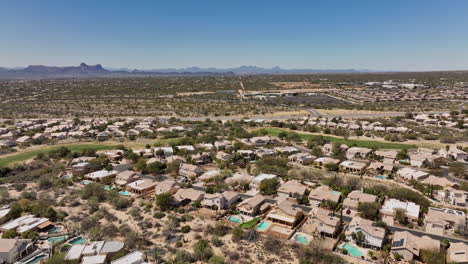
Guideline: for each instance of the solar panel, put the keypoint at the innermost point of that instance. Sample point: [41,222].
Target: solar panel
[398,243]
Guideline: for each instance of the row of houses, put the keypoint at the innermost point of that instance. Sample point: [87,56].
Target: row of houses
[25,132]
[362,125]
[394,93]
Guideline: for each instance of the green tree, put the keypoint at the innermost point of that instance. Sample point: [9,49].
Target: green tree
[402,155]
[337,152]
[140,165]
[155,167]
[165,201]
[369,210]
[10,234]
[269,186]
[237,233]
[59,153]
[359,237]
[458,169]
[432,256]
[93,191]
[400,216]
[202,250]
[30,234]
[331,166]
[316,151]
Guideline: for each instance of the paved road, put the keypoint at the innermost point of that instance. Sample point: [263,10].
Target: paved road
[420,233]
[238,118]
[311,113]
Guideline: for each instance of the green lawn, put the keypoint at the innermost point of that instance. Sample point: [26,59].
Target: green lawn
[250,224]
[28,154]
[349,142]
[25,155]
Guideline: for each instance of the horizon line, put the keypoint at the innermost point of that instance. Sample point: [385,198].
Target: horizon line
[362,70]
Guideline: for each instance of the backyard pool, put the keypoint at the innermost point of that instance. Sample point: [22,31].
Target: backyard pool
[335,192]
[263,225]
[354,251]
[300,238]
[380,177]
[57,239]
[55,230]
[107,188]
[85,182]
[234,219]
[77,241]
[36,259]
[125,193]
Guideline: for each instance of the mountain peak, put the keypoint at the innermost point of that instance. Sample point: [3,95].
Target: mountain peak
[86,66]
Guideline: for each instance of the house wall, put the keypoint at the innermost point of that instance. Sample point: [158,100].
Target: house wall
[370,240]
[435,229]
[388,219]
[406,254]
[416,163]
[309,226]
[14,255]
[313,225]
[232,201]
[219,203]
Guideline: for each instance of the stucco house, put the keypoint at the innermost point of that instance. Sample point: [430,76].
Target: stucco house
[409,246]
[373,236]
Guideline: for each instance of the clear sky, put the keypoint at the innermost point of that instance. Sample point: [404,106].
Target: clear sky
[360,34]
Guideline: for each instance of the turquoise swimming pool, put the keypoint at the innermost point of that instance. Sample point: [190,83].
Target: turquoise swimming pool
[55,230]
[335,192]
[234,219]
[85,182]
[354,251]
[380,177]
[300,238]
[124,193]
[107,188]
[263,225]
[57,239]
[36,259]
[77,241]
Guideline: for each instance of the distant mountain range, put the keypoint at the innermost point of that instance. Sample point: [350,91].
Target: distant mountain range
[258,70]
[90,71]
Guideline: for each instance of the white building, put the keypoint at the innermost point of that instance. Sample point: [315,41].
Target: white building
[373,236]
[390,206]
[261,177]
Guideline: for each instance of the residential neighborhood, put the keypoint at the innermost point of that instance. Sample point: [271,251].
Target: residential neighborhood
[361,203]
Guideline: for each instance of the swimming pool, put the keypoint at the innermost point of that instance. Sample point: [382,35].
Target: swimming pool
[300,238]
[85,182]
[77,241]
[57,239]
[234,219]
[125,193]
[354,251]
[380,177]
[107,188]
[55,230]
[263,225]
[36,259]
[335,192]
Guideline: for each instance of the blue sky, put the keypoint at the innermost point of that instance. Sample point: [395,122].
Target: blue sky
[377,35]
